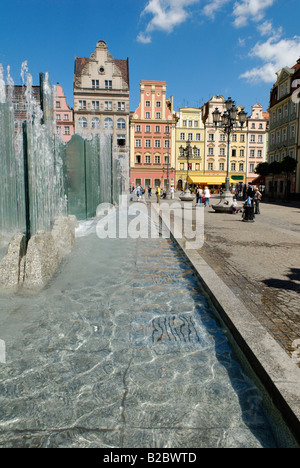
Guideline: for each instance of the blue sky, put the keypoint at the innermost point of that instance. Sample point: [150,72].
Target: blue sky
[199,47]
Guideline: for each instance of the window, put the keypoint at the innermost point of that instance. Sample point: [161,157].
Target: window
[148,143]
[251,168]
[260,139]
[190,137]
[210,151]
[57,104]
[167,160]
[259,153]
[242,138]
[157,159]
[121,140]
[196,123]
[252,139]
[242,153]
[233,166]
[234,137]
[148,159]
[221,166]
[184,123]
[210,166]
[190,123]
[293,132]
[182,136]
[253,125]
[138,159]
[197,152]
[57,116]
[147,103]
[260,126]
[121,124]
[138,143]
[67,130]
[157,128]
[138,128]
[167,129]
[121,106]
[147,129]
[108,123]
[147,115]
[197,167]
[198,136]
[66,117]
[157,143]
[234,152]
[167,144]
[222,151]
[158,114]
[222,137]
[95,84]
[252,154]
[82,104]
[182,166]
[82,122]
[158,103]
[108,105]
[211,137]
[95,122]
[108,84]
[241,167]
[95,105]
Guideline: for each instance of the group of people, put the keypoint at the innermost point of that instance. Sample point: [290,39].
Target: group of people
[202,196]
[139,192]
[252,203]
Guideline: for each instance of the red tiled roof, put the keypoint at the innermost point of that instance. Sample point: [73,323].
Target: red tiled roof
[80,63]
[124,69]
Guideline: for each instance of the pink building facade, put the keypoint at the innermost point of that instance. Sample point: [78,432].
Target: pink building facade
[152,138]
[64,115]
[257,140]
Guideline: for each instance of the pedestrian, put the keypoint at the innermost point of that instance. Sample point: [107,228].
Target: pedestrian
[158,194]
[149,192]
[138,192]
[207,196]
[172,192]
[234,206]
[199,193]
[257,197]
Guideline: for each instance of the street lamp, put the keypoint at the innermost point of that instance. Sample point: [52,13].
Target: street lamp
[227,121]
[187,152]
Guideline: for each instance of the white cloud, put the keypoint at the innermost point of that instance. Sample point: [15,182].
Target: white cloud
[275,55]
[166,15]
[245,10]
[213,7]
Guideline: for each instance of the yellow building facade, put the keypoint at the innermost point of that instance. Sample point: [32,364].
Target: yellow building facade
[189,129]
[216,149]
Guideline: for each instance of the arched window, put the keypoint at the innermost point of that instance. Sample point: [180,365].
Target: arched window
[108,123]
[121,123]
[95,122]
[82,122]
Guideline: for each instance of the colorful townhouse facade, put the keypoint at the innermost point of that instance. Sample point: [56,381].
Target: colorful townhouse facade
[257,140]
[284,129]
[152,138]
[216,149]
[189,130]
[102,101]
[63,115]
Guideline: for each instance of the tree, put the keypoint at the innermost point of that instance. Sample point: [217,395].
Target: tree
[262,169]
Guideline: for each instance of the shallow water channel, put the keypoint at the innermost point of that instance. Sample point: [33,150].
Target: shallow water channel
[122,350]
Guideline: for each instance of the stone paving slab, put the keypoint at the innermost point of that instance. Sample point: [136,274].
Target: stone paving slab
[260,263]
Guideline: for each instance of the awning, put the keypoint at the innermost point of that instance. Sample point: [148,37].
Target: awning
[207,180]
[260,180]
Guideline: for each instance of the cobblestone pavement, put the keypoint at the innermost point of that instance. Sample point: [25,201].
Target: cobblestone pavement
[260,263]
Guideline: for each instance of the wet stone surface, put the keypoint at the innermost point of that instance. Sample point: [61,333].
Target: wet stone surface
[122,350]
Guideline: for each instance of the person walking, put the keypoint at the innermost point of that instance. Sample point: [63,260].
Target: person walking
[158,191]
[257,197]
[206,196]
[149,192]
[172,192]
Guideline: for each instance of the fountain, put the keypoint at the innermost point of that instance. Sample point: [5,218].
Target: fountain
[42,178]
